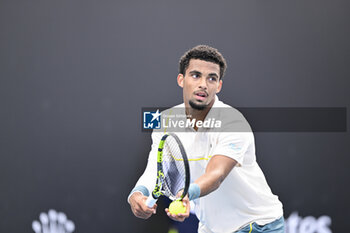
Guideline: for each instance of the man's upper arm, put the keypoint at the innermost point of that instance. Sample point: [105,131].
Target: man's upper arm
[233,145]
[221,164]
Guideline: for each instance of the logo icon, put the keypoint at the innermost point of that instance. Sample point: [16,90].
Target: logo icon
[234,147]
[152,120]
[53,222]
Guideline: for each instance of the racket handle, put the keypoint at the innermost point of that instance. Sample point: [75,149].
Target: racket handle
[150,201]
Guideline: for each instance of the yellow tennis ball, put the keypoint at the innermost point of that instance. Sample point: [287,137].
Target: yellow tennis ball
[176,207]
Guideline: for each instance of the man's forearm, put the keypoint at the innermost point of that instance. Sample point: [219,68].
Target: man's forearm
[217,169]
[209,182]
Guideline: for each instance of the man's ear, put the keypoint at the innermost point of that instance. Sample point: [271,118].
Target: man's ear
[219,87]
[180,80]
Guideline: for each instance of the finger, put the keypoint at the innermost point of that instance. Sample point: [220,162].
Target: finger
[186,203]
[148,211]
[142,215]
[178,218]
[146,208]
[182,216]
[152,210]
[188,207]
[171,216]
[175,217]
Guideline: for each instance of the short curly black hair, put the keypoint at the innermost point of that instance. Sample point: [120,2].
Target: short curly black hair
[203,52]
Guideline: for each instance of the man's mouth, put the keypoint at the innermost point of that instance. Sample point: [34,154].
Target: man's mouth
[201,95]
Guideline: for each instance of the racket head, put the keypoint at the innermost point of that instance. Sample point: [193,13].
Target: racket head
[174,167]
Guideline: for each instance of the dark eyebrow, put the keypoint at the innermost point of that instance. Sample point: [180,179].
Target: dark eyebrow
[195,72]
[213,74]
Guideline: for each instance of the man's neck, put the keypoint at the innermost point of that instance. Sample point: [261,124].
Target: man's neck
[197,115]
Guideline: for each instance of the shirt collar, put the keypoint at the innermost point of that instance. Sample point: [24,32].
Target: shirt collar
[211,114]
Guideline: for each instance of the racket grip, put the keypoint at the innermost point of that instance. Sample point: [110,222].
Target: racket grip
[150,201]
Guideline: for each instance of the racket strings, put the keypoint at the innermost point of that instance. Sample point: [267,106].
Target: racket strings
[173,168]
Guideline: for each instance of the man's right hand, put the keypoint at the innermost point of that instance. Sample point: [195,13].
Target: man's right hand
[138,206]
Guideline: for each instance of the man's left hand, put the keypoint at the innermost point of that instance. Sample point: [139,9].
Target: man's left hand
[181,217]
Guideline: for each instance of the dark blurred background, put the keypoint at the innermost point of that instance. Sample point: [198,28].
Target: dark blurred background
[74,76]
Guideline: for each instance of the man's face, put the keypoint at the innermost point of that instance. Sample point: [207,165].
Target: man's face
[200,83]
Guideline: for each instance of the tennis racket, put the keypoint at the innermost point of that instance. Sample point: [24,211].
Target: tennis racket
[173,171]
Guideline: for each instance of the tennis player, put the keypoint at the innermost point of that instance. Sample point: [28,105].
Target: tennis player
[228,187]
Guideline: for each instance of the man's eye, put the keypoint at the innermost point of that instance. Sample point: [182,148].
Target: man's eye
[195,76]
[213,79]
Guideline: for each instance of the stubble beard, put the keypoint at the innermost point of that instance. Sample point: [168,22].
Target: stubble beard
[197,106]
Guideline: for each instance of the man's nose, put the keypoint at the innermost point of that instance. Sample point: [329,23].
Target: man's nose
[203,83]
